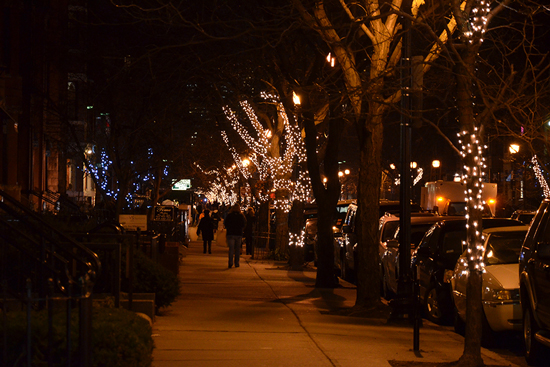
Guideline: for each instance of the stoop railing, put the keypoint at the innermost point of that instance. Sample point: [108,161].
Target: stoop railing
[42,269]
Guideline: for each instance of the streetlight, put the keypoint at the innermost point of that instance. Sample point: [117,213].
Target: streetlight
[296,98]
[513,148]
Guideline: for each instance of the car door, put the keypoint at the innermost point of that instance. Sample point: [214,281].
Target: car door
[451,248]
[423,258]
[540,271]
[350,238]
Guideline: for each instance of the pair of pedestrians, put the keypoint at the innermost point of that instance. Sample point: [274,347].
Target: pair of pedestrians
[206,227]
[235,224]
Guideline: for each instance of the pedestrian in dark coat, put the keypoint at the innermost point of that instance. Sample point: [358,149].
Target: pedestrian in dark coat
[249,230]
[234,224]
[206,226]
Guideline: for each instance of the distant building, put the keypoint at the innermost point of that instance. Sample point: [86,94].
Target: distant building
[42,97]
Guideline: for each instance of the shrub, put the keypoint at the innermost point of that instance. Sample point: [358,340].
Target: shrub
[151,277]
[120,338]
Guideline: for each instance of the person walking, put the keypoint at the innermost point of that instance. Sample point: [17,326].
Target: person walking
[206,226]
[249,229]
[234,224]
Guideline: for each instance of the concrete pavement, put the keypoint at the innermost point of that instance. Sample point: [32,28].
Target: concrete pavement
[263,314]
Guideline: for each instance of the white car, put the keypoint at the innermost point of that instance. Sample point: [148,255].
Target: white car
[500,287]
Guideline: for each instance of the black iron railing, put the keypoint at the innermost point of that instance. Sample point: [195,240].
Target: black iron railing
[44,270]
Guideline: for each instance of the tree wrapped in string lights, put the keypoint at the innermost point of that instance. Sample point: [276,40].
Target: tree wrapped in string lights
[472,22]
[278,152]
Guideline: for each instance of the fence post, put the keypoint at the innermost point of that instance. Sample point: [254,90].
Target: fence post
[85,324]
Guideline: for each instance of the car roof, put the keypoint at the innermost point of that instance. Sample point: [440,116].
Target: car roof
[427,219]
[522,228]
[456,222]
[344,202]
[525,211]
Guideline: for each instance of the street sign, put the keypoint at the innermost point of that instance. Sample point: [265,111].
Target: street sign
[184,184]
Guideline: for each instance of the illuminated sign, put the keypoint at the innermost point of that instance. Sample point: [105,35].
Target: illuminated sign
[184,184]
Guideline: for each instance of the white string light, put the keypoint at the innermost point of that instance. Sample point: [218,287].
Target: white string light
[472,152]
[478,21]
[540,177]
[278,169]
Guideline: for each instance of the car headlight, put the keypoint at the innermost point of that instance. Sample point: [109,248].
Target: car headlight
[505,294]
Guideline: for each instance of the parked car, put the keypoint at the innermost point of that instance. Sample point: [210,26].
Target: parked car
[523,216]
[435,259]
[345,245]
[534,286]
[394,207]
[310,227]
[458,208]
[500,282]
[389,249]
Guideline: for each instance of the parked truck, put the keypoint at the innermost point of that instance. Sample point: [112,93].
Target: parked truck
[449,197]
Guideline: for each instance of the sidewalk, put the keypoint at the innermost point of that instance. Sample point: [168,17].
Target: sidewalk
[262,314]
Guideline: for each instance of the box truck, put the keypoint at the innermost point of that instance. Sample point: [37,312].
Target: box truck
[449,197]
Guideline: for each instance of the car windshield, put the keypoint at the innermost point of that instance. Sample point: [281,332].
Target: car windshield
[504,248]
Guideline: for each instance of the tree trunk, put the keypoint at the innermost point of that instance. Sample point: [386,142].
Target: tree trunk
[472,341]
[296,226]
[281,223]
[326,196]
[263,225]
[325,244]
[370,173]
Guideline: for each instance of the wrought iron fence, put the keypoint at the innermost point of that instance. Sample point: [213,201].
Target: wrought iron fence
[44,270]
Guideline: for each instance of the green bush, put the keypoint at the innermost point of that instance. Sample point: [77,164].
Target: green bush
[151,277]
[120,338]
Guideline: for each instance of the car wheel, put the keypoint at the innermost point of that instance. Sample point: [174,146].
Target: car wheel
[532,347]
[432,309]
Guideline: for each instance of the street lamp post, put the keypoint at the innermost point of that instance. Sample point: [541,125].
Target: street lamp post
[402,303]
[513,149]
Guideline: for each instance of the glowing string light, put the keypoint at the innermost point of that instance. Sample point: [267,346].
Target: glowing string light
[540,177]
